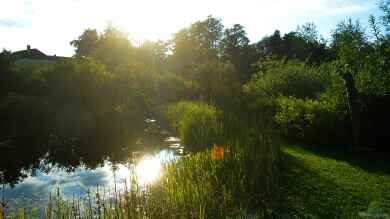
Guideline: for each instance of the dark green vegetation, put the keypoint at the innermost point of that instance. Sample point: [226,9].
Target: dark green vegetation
[212,86]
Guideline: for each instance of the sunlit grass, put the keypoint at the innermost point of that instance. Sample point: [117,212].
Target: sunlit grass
[319,186]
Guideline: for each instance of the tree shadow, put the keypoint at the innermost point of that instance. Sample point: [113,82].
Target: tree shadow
[306,194]
[370,161]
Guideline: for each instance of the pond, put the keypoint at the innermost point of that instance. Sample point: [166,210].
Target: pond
[31,174]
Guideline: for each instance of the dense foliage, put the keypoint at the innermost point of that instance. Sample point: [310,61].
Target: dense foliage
[110,81]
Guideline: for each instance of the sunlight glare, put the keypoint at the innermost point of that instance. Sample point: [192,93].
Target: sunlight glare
[148,170]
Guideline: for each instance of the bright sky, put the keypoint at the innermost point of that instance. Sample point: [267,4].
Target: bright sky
[50,25]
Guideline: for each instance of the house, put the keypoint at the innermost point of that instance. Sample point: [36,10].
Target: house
[34,56]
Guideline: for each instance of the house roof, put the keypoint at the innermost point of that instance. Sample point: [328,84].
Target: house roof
[29,53]
[34,54]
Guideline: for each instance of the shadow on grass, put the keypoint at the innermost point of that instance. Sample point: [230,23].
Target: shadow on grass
[370,161]
[307,194]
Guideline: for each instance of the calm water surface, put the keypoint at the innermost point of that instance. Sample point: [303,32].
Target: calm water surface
[31,180]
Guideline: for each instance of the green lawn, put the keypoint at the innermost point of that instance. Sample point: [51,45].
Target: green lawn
[321,184]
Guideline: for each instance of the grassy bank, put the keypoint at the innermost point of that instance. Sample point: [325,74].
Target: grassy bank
[241,175]
[318,184]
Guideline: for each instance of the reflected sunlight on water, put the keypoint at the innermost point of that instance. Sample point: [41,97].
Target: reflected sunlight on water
[108,171]
[37,187]
[148,170]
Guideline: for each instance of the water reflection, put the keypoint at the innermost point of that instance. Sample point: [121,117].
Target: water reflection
[32,170]
[36,189]
[148,170]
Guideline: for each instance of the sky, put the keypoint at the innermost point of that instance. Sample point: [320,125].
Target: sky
[50,25]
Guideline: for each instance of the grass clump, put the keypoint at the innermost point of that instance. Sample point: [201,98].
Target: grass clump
[196,123]
[241,183]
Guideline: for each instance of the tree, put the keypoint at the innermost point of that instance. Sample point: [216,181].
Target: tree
[86,44]
[233,42]
[348,40]
[385,7]
[308,32]
[112,47]
[196,44]
[235,49]
[271,45]
[375,28]
[152,55]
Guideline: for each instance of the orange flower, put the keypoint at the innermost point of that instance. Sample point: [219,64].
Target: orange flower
[217,152]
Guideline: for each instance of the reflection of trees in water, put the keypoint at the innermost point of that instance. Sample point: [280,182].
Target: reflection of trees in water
[27,155]
[23,154]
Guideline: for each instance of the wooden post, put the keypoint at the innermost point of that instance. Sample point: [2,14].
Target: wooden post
[353,107]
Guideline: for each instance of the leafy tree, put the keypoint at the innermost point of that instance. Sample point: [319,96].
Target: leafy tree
[197,44]
[233,42]
[217,82]
[349,41]
[235,49]
[152,55]
[112,47]
[86,44]
[385,7]
[375,28]
[271,45]
[308,32]
[303,45]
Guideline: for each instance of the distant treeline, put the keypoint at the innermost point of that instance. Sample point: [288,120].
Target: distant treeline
[297,82]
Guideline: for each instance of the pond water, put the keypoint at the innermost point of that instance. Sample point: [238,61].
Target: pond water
[30,178]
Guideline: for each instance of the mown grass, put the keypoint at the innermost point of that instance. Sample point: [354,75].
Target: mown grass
[319,186]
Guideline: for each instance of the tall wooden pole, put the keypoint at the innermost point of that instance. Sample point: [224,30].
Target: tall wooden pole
[353,107]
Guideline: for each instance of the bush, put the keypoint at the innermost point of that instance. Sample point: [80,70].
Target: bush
[314,121]
[292,78]
[196,123]
[171,88]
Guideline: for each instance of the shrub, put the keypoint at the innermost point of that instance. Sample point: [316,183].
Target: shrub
[195,122]
[172,87]
[292,78]
[315,121]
